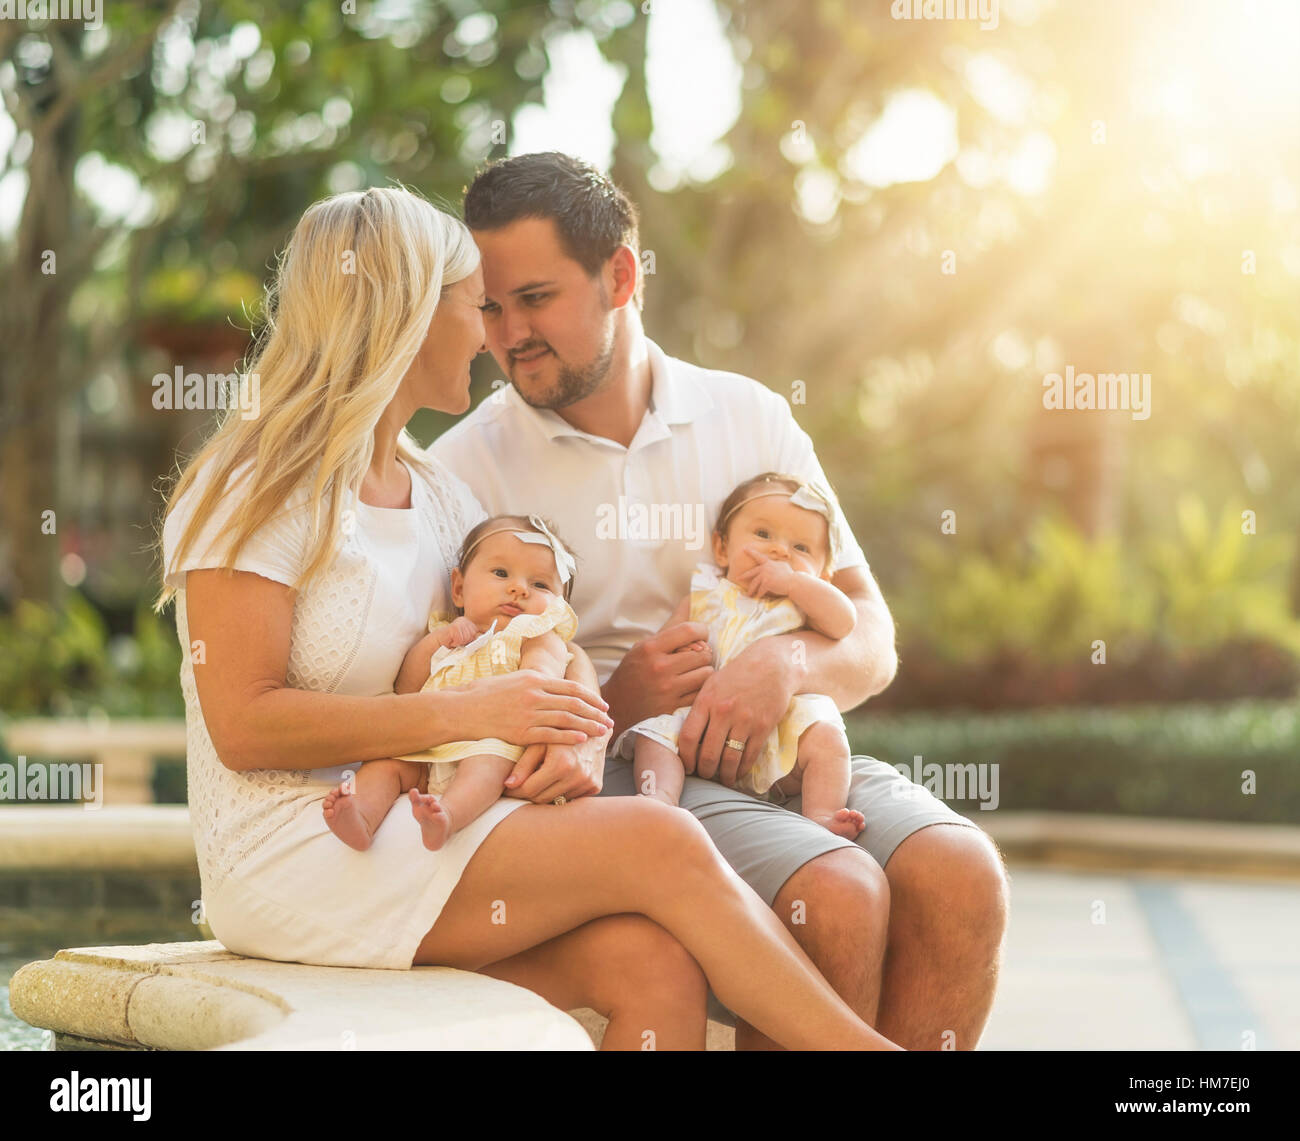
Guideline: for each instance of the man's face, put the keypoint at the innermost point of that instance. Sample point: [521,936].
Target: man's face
[549,326]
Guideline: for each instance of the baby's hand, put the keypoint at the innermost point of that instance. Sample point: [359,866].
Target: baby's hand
[461,632]
[768,576]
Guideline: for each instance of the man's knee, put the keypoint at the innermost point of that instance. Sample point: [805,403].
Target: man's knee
[953,876]
[842,894]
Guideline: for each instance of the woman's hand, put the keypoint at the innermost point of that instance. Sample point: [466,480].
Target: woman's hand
[547,771]
[528,707]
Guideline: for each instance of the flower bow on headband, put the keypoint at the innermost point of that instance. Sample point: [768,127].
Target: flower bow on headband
[564,562]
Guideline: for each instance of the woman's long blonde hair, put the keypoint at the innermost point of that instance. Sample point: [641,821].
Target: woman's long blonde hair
[346,313]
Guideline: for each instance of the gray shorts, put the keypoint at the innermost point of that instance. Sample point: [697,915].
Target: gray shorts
[767,843]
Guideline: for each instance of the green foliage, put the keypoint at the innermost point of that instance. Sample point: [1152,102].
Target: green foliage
[1185,761]
[1196,587]
[1213,582]
[60,661]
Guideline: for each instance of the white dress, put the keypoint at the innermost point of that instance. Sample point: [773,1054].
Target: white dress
[277,883]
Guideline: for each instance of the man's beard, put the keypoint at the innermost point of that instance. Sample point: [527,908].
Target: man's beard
[573,383]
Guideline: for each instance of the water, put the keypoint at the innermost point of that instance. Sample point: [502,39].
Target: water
[15,1034]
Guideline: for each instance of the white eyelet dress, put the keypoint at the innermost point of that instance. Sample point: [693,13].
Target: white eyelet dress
[277,883]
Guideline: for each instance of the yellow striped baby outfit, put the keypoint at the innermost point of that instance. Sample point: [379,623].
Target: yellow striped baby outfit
[486,656]
[735,621]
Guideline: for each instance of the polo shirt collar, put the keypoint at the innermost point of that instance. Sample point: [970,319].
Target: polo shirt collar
[677,394]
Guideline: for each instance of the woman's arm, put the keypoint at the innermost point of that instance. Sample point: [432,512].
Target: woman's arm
[242,623]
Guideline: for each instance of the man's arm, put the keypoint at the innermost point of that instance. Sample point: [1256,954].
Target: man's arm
[852,669]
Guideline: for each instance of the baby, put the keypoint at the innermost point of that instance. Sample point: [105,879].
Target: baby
[775,547]
[512,585]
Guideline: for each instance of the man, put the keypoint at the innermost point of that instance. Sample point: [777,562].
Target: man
[630,453]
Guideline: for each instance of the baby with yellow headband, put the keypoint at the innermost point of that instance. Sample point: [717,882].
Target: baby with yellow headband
[775,547]
[512,587]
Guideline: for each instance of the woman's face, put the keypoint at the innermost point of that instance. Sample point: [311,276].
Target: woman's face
[439,376]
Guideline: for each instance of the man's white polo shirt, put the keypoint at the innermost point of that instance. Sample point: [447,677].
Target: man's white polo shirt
[638,519]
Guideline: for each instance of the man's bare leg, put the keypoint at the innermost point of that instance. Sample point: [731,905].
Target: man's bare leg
[837,908]
[947,903]
[949,899]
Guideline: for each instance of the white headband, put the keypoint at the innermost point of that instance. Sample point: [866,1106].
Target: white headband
[807,496]
[564,562]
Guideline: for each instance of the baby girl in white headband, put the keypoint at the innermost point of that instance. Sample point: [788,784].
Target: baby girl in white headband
[775,547]
[512,587]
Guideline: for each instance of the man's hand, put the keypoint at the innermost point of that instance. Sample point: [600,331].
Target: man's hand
[544,772]
[659,674]
[766,576]
[745,700]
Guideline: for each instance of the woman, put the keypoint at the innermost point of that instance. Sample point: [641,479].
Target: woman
[305,548]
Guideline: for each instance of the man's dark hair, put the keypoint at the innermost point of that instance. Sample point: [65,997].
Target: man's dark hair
[592,216]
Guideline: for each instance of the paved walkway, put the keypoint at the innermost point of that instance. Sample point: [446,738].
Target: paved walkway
[1145,961]
[1100,960]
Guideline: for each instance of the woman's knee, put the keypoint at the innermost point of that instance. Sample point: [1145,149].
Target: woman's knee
[669,842]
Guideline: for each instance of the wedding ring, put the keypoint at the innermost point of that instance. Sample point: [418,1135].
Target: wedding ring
[561,799]
[732,743]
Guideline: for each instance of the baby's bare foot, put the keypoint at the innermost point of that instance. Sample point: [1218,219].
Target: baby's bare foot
[435,820]
[343,815]
[847,822]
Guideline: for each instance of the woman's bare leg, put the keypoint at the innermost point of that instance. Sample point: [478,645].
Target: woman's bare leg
[544,871]
[356,808]
[602,965]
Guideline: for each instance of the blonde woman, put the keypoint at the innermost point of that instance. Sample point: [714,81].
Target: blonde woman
[305,549]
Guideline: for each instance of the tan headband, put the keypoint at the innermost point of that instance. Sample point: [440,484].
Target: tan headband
[806,496]
[564,562]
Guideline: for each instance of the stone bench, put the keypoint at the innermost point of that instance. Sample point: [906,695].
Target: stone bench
[198,996]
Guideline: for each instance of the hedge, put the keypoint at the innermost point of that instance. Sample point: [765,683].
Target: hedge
[1182,761]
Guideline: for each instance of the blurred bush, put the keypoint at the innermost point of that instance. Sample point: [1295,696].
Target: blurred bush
[1200,613]
[1186,761]
[60,661]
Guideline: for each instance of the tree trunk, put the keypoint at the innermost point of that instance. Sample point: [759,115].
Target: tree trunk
[33,324]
